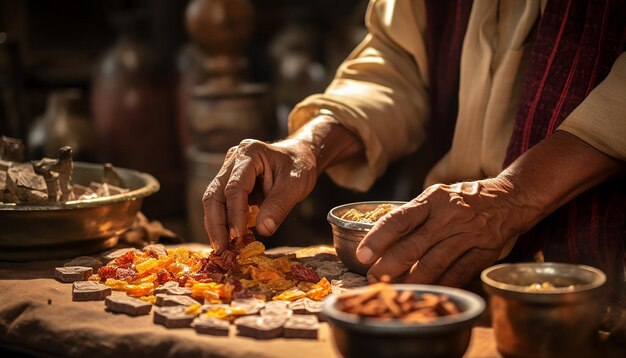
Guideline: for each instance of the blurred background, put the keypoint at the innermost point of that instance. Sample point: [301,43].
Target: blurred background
[167,86]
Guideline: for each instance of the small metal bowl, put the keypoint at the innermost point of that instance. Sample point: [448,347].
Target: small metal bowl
[447,336]
[79,227]
[559,322]
[348,234]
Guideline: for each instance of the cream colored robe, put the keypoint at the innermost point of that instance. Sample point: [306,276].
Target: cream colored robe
[381,93]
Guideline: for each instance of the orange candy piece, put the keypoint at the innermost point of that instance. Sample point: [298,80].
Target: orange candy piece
[320,290]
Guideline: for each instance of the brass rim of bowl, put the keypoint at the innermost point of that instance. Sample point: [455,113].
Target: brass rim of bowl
[354,225]
[150,186]
[506,287]
[474,303]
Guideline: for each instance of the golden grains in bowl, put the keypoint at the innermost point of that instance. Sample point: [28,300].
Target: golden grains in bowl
[370,216]
[545,287]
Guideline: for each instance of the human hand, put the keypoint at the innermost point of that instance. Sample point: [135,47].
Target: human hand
[277,175]
[447,235]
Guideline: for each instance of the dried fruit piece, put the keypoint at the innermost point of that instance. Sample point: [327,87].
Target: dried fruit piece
[321,290]
[144,289]
[106,272]
[254,248]
[301,273]
[291,294]
[147,265]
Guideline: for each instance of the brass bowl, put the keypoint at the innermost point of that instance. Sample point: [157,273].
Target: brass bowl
[446,336]
[348,234]
[559,322]
[79,227]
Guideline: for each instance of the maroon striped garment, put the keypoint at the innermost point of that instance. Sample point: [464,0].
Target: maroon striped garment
[576,45]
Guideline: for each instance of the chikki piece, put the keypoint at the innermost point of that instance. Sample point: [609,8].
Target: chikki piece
[250,305]
[312,307]
[298,306]
[173,317]
[87,261]
[114,254]
[211,326]
[90,291]
[158,248]
[173,289]
[259,327]
[128,305]
[174,300]
[301,326]
[276,312]
[277,304]
[73,273]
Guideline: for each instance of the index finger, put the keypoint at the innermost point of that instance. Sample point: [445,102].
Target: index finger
[393,226]
[214,204]
[240,184]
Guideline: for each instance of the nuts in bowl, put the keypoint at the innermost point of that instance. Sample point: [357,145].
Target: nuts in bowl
[400,320]
[351,222]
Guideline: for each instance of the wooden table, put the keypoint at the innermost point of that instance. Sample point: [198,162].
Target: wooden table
[38,316]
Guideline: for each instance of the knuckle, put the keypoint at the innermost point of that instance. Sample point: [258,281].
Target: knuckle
[233,188]
[431,267]
[231,151]
[251,145]
[403,257]
[457,271]
[211,192]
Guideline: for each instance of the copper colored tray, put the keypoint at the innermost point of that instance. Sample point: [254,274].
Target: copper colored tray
[54,231]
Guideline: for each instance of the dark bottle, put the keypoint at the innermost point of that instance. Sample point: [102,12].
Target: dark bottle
[133,108]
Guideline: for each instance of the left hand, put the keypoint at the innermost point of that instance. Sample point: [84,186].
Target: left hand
[447,235]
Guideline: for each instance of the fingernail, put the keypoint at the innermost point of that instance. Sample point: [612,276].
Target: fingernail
[233,233]
[216,246]
[269,224]
[364,254]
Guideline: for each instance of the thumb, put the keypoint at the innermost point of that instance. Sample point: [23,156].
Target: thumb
[274,209]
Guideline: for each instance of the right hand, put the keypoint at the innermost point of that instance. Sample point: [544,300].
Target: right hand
[278,175]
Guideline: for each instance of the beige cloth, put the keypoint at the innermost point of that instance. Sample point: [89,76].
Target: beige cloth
[38,317]
[380,93]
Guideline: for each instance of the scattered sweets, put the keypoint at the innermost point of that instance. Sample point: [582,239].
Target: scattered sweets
[128,305]
[72,273]
[244,286]
[90,291]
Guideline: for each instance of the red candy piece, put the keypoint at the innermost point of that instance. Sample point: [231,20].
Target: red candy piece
[301,273]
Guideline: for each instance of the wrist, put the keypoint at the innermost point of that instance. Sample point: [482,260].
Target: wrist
[523,210]
[328,141]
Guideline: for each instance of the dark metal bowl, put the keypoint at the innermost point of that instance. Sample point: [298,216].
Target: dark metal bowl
[562,322]
[348,234]
[54,231]
[447,336]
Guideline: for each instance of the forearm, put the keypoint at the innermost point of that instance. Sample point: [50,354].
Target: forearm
[329,141]
[553,172]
